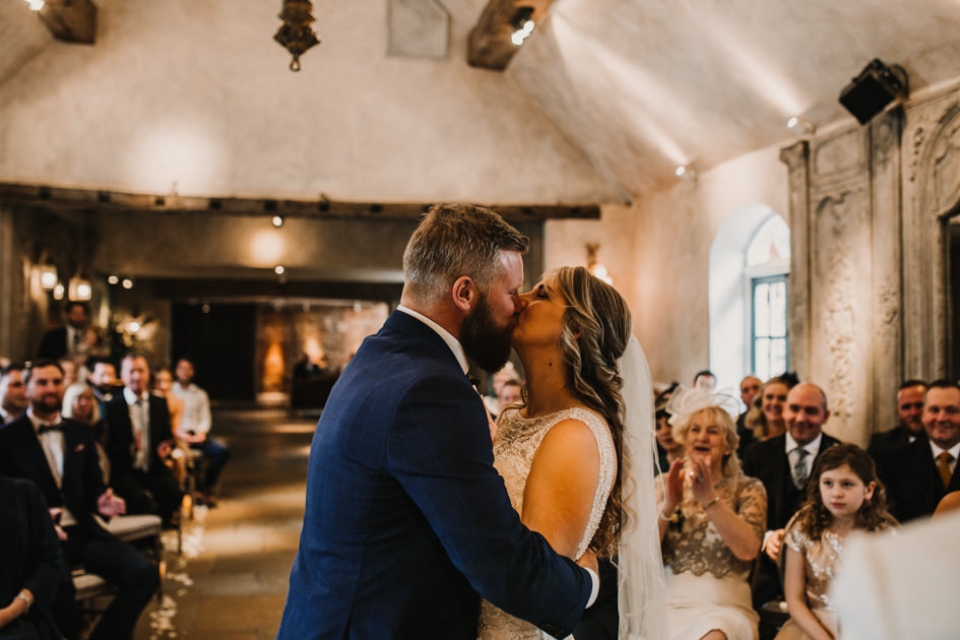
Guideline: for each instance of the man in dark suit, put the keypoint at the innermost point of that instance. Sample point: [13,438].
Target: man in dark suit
[749,390]
[69,340]
[13,392]
[918,475]
[138,441]
[406,518]
[910,411]
[783,464]
[60,457]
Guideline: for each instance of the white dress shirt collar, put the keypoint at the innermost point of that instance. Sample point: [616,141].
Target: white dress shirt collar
[132,398]
[812,447]
[447,337]
[954,450]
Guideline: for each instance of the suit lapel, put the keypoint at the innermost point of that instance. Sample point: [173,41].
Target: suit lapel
[34,458]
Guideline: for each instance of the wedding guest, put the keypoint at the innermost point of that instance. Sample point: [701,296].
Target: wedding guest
[705,379]
[68,340]
[749,391]
[668,449]
[711,523]
[31,563]
[139,441]
[194,429]
[13,392]
[81,405]
[511,393]
[910,398]
[766,419]
[844,496]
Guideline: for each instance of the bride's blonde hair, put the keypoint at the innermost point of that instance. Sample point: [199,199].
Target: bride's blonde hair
[597,325]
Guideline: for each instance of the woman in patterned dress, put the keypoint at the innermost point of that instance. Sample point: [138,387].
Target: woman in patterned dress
[711,523]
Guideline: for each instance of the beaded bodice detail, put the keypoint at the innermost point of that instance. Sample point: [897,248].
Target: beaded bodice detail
[517,441]
[821,559]
[692,543]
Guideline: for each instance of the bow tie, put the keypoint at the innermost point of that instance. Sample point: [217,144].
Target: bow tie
[45,428]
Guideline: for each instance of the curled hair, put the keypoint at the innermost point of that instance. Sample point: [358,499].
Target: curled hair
[814,518]
[455,240]
[719,416]
[597,325]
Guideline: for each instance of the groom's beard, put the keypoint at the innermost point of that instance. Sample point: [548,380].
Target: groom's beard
[483,340]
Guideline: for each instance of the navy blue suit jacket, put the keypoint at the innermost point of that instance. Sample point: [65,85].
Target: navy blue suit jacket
[406,518]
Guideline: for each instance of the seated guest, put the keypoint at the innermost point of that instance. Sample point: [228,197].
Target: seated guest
[60,457]
[81,405]
[920,474]
[765,419]
[668,449]
[843,496]
[711,522]
[749,391]
[195,429]
[910,412]
[705,380]
[31,563]
[511,392]
[163,386]
[139,441]
[783,465]
[13,392]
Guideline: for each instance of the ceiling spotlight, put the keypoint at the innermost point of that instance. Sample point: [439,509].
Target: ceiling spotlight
[113,279]
[127,283]
[278,221]
[523,24]
[801,126]
[686,172]
[279,269]
[35,5]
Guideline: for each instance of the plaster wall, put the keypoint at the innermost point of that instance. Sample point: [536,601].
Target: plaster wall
[658,251]
[195,97]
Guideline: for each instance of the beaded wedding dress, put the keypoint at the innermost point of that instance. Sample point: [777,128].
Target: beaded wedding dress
[517,442]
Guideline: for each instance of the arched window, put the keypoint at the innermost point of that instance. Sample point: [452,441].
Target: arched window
[749,265]
[766,271]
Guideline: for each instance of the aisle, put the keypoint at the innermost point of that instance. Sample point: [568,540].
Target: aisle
[231,579]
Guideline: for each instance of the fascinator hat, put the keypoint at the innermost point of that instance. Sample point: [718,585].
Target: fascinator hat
[685,401]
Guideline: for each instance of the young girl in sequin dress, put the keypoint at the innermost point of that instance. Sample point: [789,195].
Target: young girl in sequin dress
[844,496]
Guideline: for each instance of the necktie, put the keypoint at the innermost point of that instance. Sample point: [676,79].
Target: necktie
[800,469]
[943,466]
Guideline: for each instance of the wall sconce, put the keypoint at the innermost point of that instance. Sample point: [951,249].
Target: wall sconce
[594,266]
[686,172]
[296,34]
[80,289]
[48,276]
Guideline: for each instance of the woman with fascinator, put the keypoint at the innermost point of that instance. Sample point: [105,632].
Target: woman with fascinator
[711,523]
[577,454]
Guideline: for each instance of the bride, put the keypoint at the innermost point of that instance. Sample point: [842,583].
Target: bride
[576,454]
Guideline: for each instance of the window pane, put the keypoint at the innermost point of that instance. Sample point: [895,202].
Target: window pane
[778,356]
[761,360]
[778,308]
[761,309]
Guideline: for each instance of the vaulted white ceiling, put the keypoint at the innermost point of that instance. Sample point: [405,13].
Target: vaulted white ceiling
[600,104]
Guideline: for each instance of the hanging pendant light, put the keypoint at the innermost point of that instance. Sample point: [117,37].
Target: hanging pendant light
[296,34]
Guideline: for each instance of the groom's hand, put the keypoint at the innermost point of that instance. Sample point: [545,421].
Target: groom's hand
[589,561]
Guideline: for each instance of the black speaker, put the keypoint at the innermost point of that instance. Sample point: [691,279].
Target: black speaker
[877,86]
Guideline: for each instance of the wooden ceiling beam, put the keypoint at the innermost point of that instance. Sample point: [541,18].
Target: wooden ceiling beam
[489,45]
[70,20]
[55,198]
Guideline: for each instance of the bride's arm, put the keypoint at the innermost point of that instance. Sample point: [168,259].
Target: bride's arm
[562,484]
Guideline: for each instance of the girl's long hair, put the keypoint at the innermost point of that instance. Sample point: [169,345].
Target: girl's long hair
[814,517]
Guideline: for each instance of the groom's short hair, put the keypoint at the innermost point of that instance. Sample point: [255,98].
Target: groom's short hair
[455,240]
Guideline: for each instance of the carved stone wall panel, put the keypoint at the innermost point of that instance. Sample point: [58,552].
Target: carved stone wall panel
[887,285]
[931,189]
[841,306]
[796,158]
[840,157]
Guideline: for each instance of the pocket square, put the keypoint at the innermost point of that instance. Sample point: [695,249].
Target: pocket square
[80,447]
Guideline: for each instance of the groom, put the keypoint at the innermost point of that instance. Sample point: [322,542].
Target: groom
[406,519]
